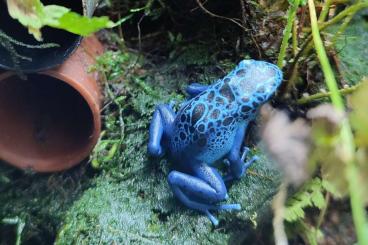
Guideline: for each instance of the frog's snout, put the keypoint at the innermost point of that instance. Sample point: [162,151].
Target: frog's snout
[258,78]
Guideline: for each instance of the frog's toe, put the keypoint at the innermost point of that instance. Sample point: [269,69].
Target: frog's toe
[245,153]
[227,162]
[213,219]
[230,207]
[250,162]
[155,150]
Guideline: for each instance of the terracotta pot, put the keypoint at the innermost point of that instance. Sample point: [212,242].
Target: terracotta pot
[45,58]
[51,121]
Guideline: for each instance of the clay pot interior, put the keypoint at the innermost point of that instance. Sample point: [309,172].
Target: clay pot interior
[44,122]
[41,58]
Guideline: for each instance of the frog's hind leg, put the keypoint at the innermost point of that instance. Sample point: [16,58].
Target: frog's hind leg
[202,190]
[195,88]
[162,119]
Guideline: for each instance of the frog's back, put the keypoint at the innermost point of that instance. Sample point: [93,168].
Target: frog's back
[204,125]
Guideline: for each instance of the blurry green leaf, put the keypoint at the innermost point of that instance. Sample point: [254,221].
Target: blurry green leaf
[359,115]
[326,125]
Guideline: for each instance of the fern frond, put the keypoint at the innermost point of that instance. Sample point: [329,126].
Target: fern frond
[310,195]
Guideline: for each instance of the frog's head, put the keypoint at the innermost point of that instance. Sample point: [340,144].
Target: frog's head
[255,81]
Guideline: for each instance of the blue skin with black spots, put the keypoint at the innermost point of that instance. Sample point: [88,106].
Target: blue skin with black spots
[211,126]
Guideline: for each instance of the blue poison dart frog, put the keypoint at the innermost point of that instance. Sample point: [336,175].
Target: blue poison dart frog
[210,126]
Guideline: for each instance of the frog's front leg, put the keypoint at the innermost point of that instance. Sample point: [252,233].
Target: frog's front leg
[201,190]
[237,166]
[162,119]
[195,88]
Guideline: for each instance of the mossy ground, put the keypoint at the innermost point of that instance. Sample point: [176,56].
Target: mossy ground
[125,197]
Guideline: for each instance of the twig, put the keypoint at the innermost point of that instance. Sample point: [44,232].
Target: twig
[251,29]
[287,32]
[258,175]
[219,16]
[317,96]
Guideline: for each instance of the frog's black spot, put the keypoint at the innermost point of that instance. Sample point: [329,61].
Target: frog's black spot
[229,106]
[198,112]
[259,98]
[226,80]
[227,121]
[191,129]
[183,118]
[236,115]
[245,99]
[210,124]
[261,90]
[246,108]
[182,136]
[210,96]
[186,127]
[217,86]
[202,142]
[253,111]
[245,116]
[240,73]
[219,101]
[215,113]
[218,123]
[176,139]
[195,137]
[212,130]
[180,125]
[201,128]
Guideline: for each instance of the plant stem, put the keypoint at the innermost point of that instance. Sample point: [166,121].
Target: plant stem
[346,135]
[323,212]
[295,37]
[324,11]
[346,12]
[287,31]
[278,206]
[317,96]
[343,26]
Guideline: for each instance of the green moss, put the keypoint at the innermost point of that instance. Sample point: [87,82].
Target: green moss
[142,209]
[39,201]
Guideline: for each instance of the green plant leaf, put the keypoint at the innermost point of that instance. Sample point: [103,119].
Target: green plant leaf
[82,25]
[34,15]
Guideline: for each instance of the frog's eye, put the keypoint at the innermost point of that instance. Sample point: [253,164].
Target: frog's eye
[240,72]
